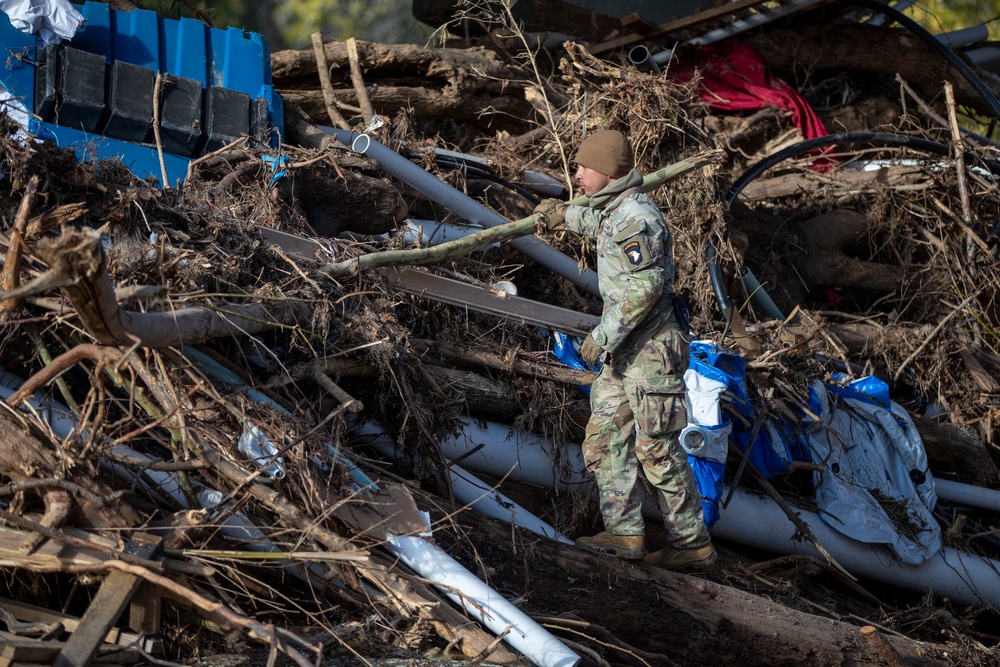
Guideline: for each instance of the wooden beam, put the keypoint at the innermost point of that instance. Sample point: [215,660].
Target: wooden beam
[30,613]
[16,650]
[665,29]
[146,610]
[109,603]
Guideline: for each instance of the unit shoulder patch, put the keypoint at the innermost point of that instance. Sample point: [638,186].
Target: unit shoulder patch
[636,252]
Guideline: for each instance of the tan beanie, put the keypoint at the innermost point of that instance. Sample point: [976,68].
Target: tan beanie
[607,152]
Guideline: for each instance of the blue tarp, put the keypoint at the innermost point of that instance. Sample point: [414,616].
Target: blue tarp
[874,485]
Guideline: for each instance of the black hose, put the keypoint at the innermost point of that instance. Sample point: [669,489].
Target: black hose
[843,139]
[879,139]
[715,275]
[886,139]
[943,49]
[486,173]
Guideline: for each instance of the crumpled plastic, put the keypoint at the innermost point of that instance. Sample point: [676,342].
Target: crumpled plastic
[52,20]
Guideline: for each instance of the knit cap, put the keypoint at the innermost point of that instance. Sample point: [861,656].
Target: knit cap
[607,152]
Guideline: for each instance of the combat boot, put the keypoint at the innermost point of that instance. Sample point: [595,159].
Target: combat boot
[629,547]
[682,559]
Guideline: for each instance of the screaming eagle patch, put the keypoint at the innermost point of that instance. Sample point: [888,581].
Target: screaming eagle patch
[636,252]
[632,251]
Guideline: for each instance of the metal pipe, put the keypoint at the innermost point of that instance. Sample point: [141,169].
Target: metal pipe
[967,494]
[760,295]
[480,601]
[463,205]
[956,39]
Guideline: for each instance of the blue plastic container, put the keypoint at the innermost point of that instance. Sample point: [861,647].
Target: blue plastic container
[237,64]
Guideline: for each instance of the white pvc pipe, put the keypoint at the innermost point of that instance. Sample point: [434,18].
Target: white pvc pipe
[759,522]
[482,602]
[534,458]
[431,232]
[467,488]
[967,494]
[461,204]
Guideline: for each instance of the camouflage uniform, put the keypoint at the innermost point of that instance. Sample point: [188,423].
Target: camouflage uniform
[637,400]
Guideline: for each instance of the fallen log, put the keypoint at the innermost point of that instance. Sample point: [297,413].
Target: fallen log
[542,370]
[825,262]
[840,183]
[471,85]
[713,623]
[77,265]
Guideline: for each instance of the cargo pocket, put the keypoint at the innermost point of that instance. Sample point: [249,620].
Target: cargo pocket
[661,414]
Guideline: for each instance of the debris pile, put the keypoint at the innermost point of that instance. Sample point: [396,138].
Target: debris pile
[226,414]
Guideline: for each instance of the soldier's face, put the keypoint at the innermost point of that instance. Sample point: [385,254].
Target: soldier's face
[589,181]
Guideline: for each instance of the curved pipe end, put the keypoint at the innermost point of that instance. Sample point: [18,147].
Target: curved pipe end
[361,143]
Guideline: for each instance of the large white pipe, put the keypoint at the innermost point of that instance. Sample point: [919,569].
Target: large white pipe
[482,602]
[460,203]
[461,586]
[758,521]
[431,233]
[533,458]
[466,487]
[967,494]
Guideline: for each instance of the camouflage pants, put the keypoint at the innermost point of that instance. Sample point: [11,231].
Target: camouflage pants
[636,415]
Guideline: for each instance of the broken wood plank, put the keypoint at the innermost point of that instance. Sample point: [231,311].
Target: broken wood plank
[112,597]
[49,555]
[358,79]
[146,610]
[16,650]
[30,613]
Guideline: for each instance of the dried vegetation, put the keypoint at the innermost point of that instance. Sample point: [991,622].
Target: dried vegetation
[894,276]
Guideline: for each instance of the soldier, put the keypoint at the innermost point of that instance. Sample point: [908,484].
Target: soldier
[637,399]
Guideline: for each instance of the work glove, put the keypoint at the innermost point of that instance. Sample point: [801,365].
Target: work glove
[553,213]
[590,350]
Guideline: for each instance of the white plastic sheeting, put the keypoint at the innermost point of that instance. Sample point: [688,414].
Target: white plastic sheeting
[867,489]
[707,433]
[480,601]
[52,20]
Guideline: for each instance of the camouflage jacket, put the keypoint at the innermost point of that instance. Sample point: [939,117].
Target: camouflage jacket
[635,262]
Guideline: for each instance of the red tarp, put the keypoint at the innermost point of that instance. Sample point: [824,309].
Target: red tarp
[733,77]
